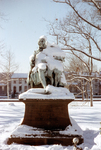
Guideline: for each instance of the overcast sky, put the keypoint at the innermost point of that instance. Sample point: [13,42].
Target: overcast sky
[24,24]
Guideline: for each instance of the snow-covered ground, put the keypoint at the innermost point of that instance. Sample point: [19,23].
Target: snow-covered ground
[88,118]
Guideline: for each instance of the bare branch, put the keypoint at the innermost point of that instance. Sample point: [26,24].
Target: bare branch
[96,5]
[78,78]
[85,20]
[72,48]
[82,61]
[87,35]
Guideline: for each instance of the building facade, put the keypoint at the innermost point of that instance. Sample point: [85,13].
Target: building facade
[19,83]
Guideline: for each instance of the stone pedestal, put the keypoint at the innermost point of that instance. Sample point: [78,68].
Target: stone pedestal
[46,118]
[47,114]
[45,139]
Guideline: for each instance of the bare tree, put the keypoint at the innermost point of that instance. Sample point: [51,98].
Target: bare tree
[76,64]
[8,67]
[96,11]
[79,82]
[74,35]
[77,34]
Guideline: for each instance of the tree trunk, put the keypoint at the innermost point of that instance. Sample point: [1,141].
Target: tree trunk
[91,94]
[82,96]
[7,87]
[83,90]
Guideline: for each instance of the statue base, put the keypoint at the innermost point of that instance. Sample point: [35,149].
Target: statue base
[46,119]
[42,137]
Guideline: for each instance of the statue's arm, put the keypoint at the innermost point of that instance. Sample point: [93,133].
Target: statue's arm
[32,60]
[32,65]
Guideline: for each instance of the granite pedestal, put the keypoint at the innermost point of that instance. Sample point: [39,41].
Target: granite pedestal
[46,117]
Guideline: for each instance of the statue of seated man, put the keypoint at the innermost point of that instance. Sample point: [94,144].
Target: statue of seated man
[41,71]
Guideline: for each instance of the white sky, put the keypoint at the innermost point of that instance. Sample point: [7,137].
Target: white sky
[24,25]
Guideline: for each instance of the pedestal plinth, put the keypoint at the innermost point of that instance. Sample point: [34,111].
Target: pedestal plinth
[47,114]
[46,119]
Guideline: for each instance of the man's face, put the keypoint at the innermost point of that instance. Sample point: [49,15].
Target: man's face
[42,43]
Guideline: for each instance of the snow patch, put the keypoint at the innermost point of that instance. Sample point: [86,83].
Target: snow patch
[73,129]
[97,140]
[28,131]
[40,93]
[25,131]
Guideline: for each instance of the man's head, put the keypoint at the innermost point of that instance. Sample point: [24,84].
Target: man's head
[42,42]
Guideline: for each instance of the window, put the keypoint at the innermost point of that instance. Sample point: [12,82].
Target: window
[20,81]
[25,81]
[95,80]
[2,88]
[96,87]
[14,81]
[20,88]
[25,88]
[14,89]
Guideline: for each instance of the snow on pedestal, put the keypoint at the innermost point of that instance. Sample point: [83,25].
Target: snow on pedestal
[24,134]
[54,93]
[23,131]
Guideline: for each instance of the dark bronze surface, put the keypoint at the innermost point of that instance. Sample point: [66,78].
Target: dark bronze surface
[48,114]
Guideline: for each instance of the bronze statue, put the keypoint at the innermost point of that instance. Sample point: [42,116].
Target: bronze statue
[41,72]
